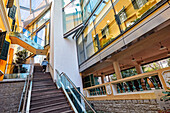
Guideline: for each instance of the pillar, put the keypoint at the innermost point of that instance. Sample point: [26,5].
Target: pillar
[103,79]
[117,70]
[139,69]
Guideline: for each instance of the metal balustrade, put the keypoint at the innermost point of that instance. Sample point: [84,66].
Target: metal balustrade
[146,82]
[73,94]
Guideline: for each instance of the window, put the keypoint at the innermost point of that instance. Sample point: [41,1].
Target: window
[4,52]
[138,3]
[122,15]
[105,31]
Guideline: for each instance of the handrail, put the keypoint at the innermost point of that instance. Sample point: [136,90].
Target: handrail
[25,92]
[82,96]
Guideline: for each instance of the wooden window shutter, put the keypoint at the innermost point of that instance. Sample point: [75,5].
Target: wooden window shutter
[2,39]
[4,52]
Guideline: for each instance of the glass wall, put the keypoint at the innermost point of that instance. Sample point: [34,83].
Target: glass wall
[72,15]
[39,31]
[107,20]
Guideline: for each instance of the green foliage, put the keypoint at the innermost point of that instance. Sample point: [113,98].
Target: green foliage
[169,62]
[129,72]
[21,57]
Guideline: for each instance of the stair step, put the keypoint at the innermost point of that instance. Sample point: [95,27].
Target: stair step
[39,85]
[46,97]
[51,101]
[62,108]
[45,106]
[43,90]
[46,93]
[68,111]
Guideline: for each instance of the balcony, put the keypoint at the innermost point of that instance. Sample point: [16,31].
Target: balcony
[105,36]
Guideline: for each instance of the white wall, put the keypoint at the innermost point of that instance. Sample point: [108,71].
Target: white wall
[63,52]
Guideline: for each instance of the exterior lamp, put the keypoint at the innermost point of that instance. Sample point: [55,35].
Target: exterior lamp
[162,47]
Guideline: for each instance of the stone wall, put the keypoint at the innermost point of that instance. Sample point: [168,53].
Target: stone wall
[126,106]
[10,94]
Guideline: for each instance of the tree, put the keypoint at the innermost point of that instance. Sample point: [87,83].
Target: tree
[21,57]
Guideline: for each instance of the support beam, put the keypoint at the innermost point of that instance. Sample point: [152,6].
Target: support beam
[117,69]
[139,69]
[103,79]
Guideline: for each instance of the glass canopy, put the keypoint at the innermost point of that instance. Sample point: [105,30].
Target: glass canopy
[29,6]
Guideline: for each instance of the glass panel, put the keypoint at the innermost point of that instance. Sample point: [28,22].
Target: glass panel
[41,37]
[72,16]
[44,19]
[80,49]
[47,37]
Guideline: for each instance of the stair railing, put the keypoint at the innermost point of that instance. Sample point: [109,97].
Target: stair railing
[75,97]
[25,97]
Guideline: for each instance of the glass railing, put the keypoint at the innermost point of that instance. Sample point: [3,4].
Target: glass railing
[74,95]
[109,21]
[17,71]
[26,40]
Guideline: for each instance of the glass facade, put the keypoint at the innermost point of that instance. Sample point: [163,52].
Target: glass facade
[107,20]
[72,15]
[39,31]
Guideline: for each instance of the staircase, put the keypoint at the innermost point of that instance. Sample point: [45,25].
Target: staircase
[27,43]
[45,97]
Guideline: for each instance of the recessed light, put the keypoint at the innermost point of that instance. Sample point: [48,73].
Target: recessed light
[162,47]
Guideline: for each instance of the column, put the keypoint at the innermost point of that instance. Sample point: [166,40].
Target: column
[117,69]
[103,79]
[139,69]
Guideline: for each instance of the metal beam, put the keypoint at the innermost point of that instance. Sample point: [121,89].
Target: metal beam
[25,8]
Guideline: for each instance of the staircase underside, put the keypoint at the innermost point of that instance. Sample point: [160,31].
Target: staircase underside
[16,40]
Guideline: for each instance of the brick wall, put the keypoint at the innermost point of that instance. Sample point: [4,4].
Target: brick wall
[126,106]
[10,94]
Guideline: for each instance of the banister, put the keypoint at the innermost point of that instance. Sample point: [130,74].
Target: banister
[79,92]
[68,79]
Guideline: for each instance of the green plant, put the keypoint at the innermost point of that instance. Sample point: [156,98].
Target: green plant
[21,57]
[128,73]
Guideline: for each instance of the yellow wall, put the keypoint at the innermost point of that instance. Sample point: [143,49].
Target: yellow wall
[11,51]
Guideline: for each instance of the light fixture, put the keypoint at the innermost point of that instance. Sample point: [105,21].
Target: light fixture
[162,47]
[108,21]
[133,59]
[142,61]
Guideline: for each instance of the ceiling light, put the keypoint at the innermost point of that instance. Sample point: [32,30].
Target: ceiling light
[162,47]
[108,21]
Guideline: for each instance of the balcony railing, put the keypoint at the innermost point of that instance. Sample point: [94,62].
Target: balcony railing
[106,27]
[146,82]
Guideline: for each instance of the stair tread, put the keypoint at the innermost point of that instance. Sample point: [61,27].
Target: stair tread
[52,108]
[46,97]
[46,101]
[45,106]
